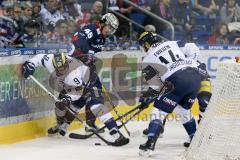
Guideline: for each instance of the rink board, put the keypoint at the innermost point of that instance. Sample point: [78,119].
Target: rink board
[26,112]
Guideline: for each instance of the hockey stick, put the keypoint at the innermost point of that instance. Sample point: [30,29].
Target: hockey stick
[73,113]
[80,136]
[114,108]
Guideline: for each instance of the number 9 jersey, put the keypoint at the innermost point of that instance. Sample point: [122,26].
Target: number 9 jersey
[167,58]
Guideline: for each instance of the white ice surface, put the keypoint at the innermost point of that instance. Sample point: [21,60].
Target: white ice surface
[60,148]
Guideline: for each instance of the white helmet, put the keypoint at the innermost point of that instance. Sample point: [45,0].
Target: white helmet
[111,20]
[191,50]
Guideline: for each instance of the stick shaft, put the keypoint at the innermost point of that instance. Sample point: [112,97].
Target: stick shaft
[107,95]
[43,88]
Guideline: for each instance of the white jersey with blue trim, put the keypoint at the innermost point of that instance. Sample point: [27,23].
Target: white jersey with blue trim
[72,82]
[167,58]
[50,18]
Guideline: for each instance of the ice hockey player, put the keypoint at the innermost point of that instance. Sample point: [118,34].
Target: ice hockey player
[166,64]
[191,51]
[70,77]
[87,42]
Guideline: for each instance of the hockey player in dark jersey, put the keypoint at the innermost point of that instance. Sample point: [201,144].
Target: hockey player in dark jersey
[86,43]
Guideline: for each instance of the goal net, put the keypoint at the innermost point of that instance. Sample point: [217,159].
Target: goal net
[218,135]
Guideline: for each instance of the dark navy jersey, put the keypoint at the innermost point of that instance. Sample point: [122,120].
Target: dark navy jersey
[89,39]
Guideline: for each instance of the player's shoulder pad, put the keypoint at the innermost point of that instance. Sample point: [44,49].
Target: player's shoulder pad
[180,43]
[91,28]
[45,59]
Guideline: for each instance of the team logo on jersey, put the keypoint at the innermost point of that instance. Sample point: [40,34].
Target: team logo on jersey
[169,101]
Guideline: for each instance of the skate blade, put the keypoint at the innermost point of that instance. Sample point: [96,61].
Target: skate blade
[145,153]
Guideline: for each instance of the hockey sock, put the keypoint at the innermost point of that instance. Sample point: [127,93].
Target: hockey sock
[190,127]
[154,129]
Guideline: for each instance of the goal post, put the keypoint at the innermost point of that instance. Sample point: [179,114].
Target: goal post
[218,135]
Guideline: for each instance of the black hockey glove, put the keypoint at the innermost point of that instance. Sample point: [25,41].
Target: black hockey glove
[147,97]
[145,102]
[64,102]
[203,70]
[28,69]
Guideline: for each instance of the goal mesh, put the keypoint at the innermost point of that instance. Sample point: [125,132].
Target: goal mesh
[218,135]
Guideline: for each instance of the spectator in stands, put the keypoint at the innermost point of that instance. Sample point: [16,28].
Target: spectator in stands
[230,14]
[150,28]
[60,35]
[2,11]
[72,27]
[137,15]
[183,14]
[236,41]
[206,7]
[7,31]
[31,33]
[17,17]
[72,9]
[162,9]
[220,3]
[50,13]
[96,10]
[36,9]
[220,36]
[27,11]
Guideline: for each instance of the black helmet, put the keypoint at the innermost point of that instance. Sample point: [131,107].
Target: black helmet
[147,37]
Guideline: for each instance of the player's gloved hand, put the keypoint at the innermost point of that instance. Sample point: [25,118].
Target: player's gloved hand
[203,70]
[28,69]
[64,102]
[147,97]
[145,102]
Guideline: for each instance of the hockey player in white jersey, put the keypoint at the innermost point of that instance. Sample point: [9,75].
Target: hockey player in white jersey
[191,51]
[70,77]
[166,63]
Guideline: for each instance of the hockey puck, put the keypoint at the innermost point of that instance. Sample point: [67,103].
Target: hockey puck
[97,144]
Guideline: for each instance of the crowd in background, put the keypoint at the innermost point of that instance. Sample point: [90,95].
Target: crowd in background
[47,22]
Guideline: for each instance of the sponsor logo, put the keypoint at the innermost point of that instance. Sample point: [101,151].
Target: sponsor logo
[63,50]
[4,53]
[169,101]
[40,52]
[212,62]
[28,52]
[216,47]
[52,51]
[16,52]
[97,46]
[233,48]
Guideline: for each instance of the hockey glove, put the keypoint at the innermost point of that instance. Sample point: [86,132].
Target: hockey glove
[64,102]
[28,69]
[145,102]
[147,97]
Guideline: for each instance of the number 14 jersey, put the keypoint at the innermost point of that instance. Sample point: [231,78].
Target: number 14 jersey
[167,58]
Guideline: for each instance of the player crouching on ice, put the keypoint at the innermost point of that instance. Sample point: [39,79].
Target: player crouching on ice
[70,77]
[166,65]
